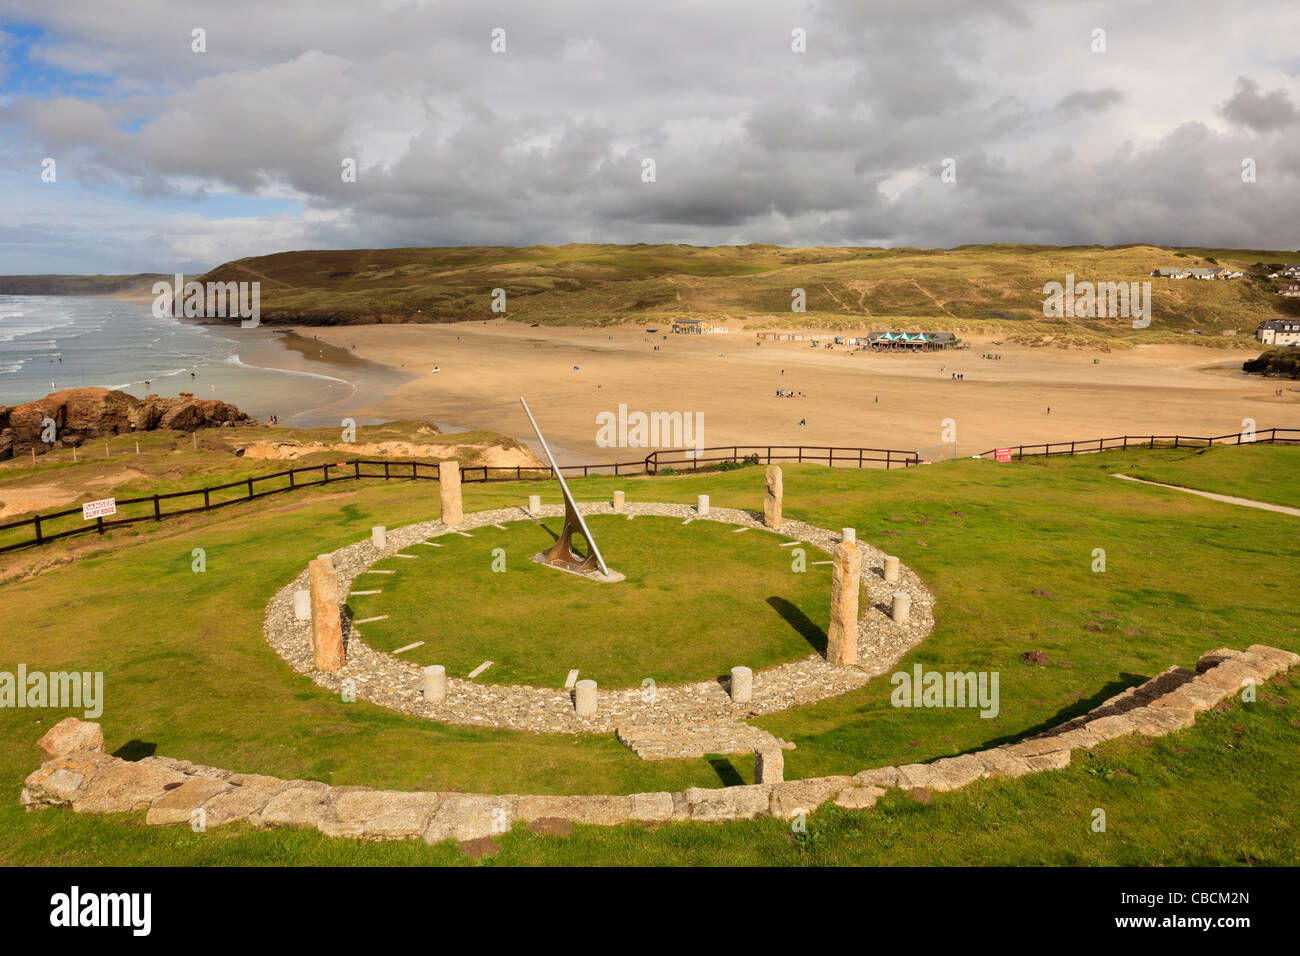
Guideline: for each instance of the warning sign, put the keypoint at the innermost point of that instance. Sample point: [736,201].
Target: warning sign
[98,509]
[1003,454]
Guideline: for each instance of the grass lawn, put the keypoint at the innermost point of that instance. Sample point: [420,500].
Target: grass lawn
[1262,472]
[188,674]
[698,599]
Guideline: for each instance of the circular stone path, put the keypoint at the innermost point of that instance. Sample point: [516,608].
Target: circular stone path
[389,681]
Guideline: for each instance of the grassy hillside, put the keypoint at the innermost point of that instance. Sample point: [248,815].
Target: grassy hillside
[1006,549]
[134,286]
[993,288]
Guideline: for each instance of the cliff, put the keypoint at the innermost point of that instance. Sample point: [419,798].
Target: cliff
[83,414]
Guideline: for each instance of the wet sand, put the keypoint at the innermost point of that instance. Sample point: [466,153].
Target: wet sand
[852,397]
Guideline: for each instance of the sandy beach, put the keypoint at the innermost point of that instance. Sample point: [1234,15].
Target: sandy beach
[570,375]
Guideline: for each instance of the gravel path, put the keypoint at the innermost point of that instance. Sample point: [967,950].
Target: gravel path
[1227,499]
[383,679]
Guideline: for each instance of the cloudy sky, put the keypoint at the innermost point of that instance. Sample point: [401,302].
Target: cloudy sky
[166,158]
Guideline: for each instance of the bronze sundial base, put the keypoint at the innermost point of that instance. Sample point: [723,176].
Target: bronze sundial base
[562,556]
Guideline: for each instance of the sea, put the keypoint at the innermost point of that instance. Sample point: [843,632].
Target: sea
[49,343]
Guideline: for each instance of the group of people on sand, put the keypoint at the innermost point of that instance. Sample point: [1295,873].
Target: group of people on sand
[789,393]
[991,355]
[958,376]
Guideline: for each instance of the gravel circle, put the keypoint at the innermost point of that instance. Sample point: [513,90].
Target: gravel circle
[383,679]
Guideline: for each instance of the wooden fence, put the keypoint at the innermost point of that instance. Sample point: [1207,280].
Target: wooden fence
[1270,436]
[52,527]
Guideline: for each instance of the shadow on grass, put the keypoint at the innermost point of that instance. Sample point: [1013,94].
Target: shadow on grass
[726,772]
[135,750]
[1065,714]
[800,621]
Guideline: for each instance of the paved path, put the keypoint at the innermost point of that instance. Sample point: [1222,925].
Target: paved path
[1229,499]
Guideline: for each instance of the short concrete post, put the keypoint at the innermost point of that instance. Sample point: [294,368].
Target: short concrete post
[848,534]
[449,489]
[326,624]
[846,585]
[769,764]
[891,569]
[620,501]
[772,494]
[534,504]
[742,685]
[901,608]
[584,698]
[379,536]
[702,504]
[435,683]
[302,605]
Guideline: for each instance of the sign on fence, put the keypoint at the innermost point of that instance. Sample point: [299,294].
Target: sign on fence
[98,509]
[1003,454]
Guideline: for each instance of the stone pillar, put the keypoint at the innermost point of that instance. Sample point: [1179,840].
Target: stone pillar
[302,605]
[891,569]
[742,685]
[620,501]
[772,497]
[848,534]
[584,698]
[326,624]
[769,764]
[702,504]
[534,504]
[901,608]
[379,536]
[846,584]
[435,684]
[449,488]
[327,558]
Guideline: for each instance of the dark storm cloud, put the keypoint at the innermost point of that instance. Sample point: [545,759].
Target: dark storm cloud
[752,141]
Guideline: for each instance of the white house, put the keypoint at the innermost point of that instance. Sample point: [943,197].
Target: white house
[1279,332]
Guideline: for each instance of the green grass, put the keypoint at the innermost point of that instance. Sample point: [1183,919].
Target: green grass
[188,674]
[1261,472]
[697,600]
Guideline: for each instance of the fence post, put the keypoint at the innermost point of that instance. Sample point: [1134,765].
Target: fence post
[1176,441]
[157,512]
[206,503]
[385,470]
[1126,443]
[250,489]
[356,468]
[292,472]
[37,522]
[99,524]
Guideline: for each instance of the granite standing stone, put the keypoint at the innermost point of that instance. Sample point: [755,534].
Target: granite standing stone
[326,623]
[772,497]
[449,489]
[846,585]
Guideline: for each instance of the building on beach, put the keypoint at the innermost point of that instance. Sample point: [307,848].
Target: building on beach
[697,327]
[914,341]
[1279,332]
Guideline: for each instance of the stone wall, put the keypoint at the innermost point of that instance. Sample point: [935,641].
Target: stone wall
[171,791]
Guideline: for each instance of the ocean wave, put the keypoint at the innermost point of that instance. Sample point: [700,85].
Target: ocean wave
[235,360]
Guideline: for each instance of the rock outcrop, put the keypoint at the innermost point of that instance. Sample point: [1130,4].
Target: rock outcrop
[83,414]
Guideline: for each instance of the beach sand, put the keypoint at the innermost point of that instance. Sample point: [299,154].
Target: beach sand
[485,367]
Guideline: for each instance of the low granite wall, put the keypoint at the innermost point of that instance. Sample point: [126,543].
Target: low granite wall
[81,776]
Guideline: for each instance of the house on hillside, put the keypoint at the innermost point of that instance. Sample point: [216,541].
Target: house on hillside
[1292,290]
[1187,272]
[1279,332]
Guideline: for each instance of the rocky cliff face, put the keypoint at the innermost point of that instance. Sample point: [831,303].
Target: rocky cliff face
[83,414]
